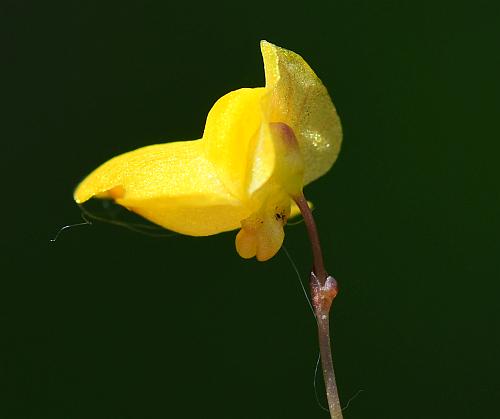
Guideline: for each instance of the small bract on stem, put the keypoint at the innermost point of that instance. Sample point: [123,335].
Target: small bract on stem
[323,291]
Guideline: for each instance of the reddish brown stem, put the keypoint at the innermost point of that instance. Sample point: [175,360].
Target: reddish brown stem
[312,231]
[323,291]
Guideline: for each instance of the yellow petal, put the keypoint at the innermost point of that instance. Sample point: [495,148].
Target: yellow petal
[262,162]
[232,133]
[173,185]
[271,239]
[297,97]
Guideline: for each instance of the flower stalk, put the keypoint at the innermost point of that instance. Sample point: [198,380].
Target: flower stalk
[323,291]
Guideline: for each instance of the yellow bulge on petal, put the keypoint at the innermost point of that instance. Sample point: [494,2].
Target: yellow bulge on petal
[247,241]
[271,237]
[298,98]
[262,233]
[173,185]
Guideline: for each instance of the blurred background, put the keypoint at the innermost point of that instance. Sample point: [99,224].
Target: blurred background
[108,323]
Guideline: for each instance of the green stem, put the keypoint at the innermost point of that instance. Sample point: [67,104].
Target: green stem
[323,291]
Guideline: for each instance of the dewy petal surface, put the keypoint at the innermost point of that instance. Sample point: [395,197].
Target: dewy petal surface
[298,98]
[172,184]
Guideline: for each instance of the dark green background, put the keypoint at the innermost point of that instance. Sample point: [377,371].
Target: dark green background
[106,323]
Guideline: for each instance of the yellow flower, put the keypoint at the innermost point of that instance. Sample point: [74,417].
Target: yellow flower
[259,148]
